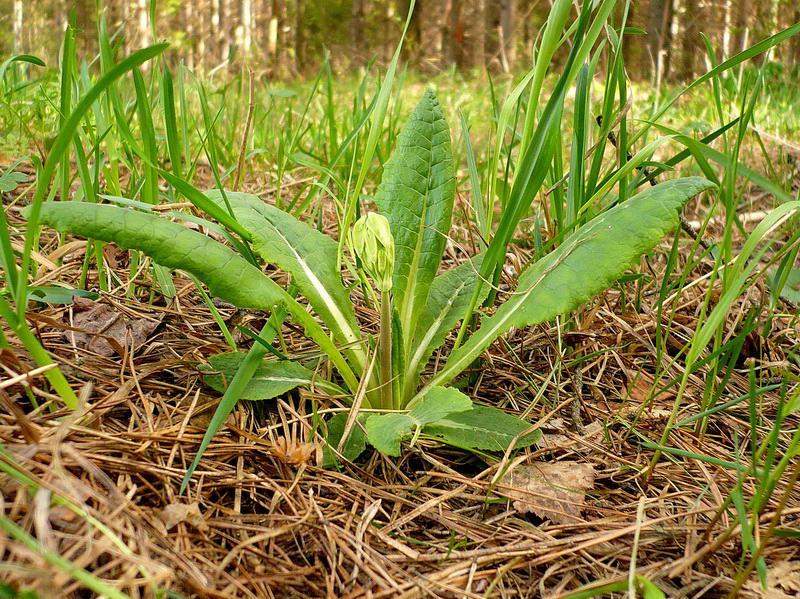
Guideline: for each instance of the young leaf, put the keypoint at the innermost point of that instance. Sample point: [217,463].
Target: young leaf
[586,263]
[227,275]
[447,301]
[10,180]
[482,427]
[438,403]
[308,255]
[385,431]
[271,378]
[791,286]
[416,196]
[354,446]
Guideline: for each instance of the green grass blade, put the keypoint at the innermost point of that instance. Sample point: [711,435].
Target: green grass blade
[84,577]
[59,149]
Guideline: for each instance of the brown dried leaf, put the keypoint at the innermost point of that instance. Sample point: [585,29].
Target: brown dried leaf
[107,331]
[116,257]
[293,452]
[175,513]
[591,434]
[783,581]
[640,386]
[549,490]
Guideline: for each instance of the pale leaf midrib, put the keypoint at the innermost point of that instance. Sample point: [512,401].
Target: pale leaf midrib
[407,311]
[322,290]
[422,346]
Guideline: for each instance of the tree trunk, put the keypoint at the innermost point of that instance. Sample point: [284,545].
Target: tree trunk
[272,41]
[227,29]
[741,27]
[478,34]
[453,42]
[188,27]
[659,33]
[690,39]
[247,27]
[144,28]
[492,38]
[17,42]
[508,10]
[412,42]
[357,29]
[299,34]
[794,42]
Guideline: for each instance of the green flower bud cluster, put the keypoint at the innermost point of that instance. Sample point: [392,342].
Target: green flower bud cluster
[374,245]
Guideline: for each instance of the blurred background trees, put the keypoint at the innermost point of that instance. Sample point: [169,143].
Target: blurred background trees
[287,38]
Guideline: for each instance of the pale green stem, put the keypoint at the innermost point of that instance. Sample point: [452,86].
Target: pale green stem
[385,343]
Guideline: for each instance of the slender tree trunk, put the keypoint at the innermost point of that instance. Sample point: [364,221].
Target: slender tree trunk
[794,42]
[493,33]
[741,27]
[144,27]
[478,34]
[453,34]
[412,43]
[508,10]
[247,27]
[188,25]
[300,35]
[390,30]
[764,21]
[227,28]
[215,37]
[286,37]
[690,39]
[18,14]
[357,29]
[659,35]
[272,43]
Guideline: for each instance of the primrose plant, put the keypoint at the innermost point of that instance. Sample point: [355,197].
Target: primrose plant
[400,248]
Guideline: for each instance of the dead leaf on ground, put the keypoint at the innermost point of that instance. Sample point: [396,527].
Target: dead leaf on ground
[592,434]
[783,581]
[554,490]
[175,513]
[640,386]
[106,331]
[293,452]
[116,257]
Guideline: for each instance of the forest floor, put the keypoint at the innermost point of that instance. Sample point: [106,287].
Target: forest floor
[262,519]
[581,514]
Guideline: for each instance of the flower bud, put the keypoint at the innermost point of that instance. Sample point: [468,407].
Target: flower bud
[374,245]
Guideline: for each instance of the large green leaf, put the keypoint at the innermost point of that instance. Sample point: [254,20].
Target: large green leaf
[228,276]
[385,431]
[271,378]
[416,196]
[482,427]
[447,301]
[308,255]
[586,263]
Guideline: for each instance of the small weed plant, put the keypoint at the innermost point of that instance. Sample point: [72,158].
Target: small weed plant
[594,222]
[400,249]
